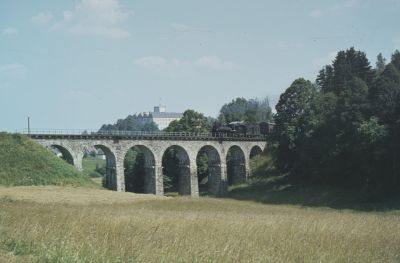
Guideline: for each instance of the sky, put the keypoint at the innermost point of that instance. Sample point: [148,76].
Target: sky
[80,64]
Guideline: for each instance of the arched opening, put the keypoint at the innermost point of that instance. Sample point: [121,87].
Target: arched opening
[176,171]
[139,170]
[255,151]
[109,179]
[256,160]
[236,165]
[209,171]
[62,152]
[94,164]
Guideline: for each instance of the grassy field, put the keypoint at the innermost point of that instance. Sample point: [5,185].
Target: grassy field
[67,224]
[265,220]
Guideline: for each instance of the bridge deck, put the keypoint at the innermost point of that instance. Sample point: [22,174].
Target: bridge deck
[127,135]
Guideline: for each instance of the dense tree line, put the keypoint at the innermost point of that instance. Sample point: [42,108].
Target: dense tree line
[344,129]
[241,109]
[130,123]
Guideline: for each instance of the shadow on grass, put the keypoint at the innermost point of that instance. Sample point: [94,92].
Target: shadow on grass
[277,190]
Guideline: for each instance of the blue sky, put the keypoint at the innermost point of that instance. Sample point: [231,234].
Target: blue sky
[79,64]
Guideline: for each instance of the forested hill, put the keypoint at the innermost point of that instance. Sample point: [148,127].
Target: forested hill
[345,130]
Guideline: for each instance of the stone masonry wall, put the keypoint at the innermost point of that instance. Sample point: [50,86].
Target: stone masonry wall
[115,151]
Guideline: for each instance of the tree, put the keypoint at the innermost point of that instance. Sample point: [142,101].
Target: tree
[385,103]
[380,63]
[240,109]
[349,64]
[191,121]
[385,95]
[325,79]
[396,59]
[288,131]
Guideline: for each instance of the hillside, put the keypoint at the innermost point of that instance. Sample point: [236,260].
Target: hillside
[24,162]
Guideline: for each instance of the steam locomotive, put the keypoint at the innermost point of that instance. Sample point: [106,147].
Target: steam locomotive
[242,128]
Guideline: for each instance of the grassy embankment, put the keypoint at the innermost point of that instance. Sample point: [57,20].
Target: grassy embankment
[76,224]
[24,162]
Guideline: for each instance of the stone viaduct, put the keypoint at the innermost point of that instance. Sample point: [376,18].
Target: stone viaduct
[154,146]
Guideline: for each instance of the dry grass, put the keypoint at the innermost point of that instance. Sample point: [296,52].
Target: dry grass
[70,195]
[56,224]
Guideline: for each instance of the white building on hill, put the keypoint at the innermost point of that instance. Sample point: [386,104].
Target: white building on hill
[160,117]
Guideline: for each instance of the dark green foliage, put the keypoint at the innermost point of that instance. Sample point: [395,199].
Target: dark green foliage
[347,132]
[202,167]
[134,171]
[191,121]
[170,164]
[380,63]
[130,123]
[240,109]
[396,59]
[24,162]
[325,79]
[384,95]
[289,131]
[350,64]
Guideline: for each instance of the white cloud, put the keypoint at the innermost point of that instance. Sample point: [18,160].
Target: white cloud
[14,70]
[337,8]
[10,31]
[175,66]
[102,18]
[43,18]
[180,27]
[160,64]
[216,63]
[345,5]
[324,60]
[316,13]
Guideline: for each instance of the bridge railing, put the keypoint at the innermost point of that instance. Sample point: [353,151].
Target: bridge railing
[88,132]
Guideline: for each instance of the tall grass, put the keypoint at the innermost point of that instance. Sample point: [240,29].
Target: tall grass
[189,230]
[91,166]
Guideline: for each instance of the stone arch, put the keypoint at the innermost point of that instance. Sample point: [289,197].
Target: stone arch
[149,171]
[255,151]
[182,168]
[66,153]
[236,165]
[214,173]
[110,179]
